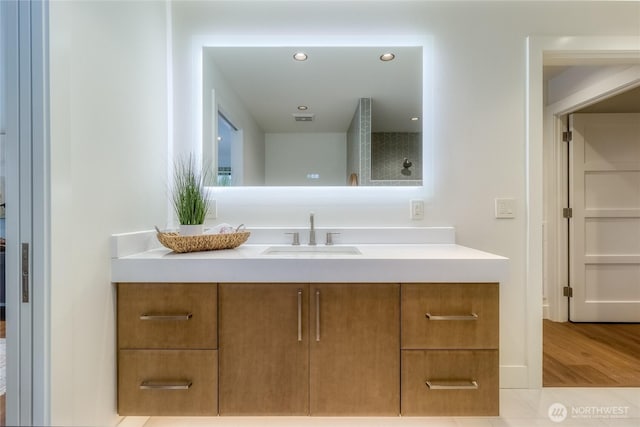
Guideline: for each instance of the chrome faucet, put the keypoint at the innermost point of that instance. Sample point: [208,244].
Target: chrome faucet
[312,231]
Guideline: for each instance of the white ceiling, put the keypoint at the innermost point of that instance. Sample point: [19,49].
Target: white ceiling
[330,82]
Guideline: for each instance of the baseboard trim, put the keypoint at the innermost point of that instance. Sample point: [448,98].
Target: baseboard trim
[514,376]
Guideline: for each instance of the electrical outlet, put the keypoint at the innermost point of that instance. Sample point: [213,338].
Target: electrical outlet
[505,208]
[416,209]
[213,210]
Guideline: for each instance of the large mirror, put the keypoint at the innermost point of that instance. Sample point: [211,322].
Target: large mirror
[312,116]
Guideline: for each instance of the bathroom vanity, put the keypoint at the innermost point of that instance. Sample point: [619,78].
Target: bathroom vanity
[407,326]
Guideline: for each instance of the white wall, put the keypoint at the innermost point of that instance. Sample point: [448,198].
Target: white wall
[108,175]
[291,156]
[478,100]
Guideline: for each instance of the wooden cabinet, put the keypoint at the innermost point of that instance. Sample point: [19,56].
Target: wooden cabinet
[264,349]
[167,315]
[450,349]
[331,349]
[322,349]
[167,349]
[450,315]
[450,382]
[355,336]
[167,382]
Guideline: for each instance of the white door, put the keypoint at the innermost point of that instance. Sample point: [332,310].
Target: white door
[24,141]
[605,227]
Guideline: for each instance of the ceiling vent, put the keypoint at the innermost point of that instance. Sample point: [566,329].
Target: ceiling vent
[307,117]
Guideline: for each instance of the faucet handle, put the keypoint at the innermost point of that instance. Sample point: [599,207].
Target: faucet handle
[329,240]
[296,238]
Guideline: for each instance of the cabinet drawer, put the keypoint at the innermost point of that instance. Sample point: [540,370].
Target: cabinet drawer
[460,382]
[450,315]
[167,315]
[167,382]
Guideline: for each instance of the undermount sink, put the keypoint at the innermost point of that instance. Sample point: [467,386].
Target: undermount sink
[304,250]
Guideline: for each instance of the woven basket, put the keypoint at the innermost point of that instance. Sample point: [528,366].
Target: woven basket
[203,242]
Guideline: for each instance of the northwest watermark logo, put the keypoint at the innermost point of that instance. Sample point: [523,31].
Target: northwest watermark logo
[558,412]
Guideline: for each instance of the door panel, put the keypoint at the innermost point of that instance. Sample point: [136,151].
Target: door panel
[618,277]
[626,183]
[263,349]
[611,236]
[355,342]
[605,228]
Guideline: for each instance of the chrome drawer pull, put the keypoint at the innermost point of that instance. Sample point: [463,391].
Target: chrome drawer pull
[318,315]
[185,316]
[472,316]
[299,315]
[162,385]
[452,385]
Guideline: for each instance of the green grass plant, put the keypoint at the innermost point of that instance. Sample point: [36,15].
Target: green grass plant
[189,194]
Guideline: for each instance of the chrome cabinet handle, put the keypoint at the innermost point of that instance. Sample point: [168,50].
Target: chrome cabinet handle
[318,315]
[165,385]
[185,316]
[299,314]
[452,384]
[472,316]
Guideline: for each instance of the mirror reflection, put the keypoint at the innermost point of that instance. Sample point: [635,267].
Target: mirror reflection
[311,116]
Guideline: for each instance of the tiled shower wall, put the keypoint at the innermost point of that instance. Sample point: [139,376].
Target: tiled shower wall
[377,158]
[358,141]
[388,151]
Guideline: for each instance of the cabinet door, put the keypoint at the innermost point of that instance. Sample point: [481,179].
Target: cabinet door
[355,357]
[264,349]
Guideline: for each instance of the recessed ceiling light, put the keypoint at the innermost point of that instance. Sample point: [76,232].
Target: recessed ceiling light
[302,107]
[387,57]
[300,56]
[415,119]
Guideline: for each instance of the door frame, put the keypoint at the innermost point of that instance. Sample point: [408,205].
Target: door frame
[540,51]
[555,122]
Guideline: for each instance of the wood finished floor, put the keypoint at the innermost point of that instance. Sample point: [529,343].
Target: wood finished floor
[591,354]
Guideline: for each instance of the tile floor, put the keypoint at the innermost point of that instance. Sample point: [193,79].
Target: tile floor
[518,408]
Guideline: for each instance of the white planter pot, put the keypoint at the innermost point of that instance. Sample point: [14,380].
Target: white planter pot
[191,230]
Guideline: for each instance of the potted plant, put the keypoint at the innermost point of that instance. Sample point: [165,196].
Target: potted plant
[189,196]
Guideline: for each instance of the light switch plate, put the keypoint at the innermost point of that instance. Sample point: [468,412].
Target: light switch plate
[505,208]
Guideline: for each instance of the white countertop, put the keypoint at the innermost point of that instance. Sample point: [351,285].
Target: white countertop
[383,263]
